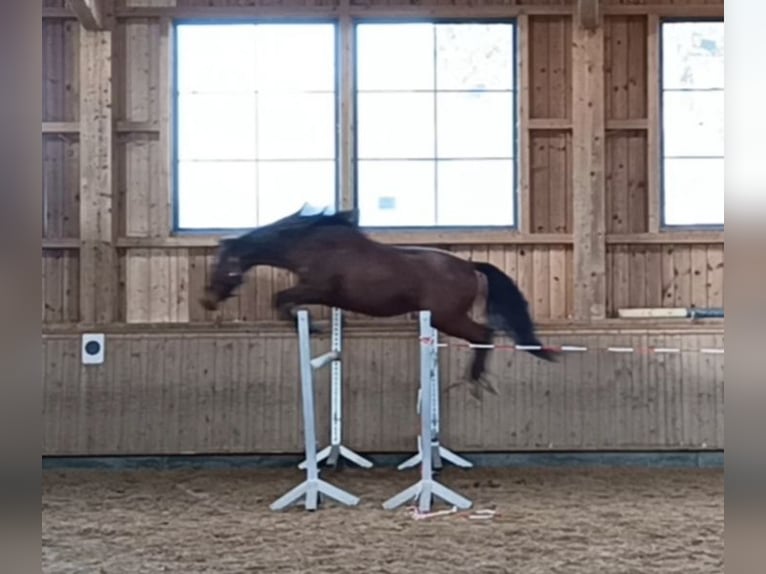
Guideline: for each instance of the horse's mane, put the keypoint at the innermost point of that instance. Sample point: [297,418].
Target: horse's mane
[342,218]
[298,222]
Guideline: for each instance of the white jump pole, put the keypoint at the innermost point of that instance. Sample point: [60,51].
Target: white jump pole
[336,449]
[438,452]
[427,487]
[313,487]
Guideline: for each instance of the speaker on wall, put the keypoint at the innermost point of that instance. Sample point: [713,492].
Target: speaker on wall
[92,348]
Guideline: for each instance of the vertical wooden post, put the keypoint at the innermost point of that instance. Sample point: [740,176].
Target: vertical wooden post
[525,139]
[346,199]
[653,163]
[589,222]
[98,271]
[161,224]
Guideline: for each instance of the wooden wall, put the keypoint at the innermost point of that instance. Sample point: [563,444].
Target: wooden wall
[589,243]
[167,393]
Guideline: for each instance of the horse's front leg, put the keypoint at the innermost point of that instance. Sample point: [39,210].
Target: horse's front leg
[287,300]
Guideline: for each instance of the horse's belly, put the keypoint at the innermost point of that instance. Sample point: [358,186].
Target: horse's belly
[378,299]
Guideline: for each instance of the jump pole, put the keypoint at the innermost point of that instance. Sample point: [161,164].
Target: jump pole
[438,452]
[336,450]
[313,487]
[427,488]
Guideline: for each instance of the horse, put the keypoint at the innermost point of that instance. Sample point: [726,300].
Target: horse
[337,265]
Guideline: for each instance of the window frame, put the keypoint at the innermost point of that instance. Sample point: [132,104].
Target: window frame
[176,229]
[513,21]
[664,226]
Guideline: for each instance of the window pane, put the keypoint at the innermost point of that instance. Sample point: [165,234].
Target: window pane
[295,57]
[395,56]
[475,192]
[693,123]
[474,124]
[694,191]
[216,195]
[395,125]
[284,186]
[216,58]
[474,56]
[396,193]
[692,55]
[219,126]
[296,126]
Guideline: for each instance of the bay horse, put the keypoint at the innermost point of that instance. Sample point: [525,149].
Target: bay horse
[337,265]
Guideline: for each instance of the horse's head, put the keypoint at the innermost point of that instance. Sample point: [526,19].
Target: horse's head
[275,244]
[225,276]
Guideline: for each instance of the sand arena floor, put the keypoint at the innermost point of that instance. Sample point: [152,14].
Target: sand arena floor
[546,521]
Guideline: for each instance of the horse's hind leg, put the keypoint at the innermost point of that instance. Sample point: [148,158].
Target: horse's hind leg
[466,328]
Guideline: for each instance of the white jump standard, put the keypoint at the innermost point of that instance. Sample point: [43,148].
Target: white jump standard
[336,450]
[427,487]
[438,452]
[313,487]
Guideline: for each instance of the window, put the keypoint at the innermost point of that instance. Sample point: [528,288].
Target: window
[435,124]
[256,122]
[692,123]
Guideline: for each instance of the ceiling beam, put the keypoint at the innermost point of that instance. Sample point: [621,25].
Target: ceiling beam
[589,13]
[92,14]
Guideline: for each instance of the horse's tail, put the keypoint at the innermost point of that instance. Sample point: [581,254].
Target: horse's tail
[508,310]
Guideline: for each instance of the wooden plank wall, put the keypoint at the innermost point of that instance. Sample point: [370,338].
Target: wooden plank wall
[155,278]
[237,393]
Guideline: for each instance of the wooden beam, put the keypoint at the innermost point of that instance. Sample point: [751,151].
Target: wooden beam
[360,11]
[58,14]
[98,261]
[589,225]
[654,132]
[162,222]
[588,13]
[393,237]
[128,127]
[383,329]
[61,127]
[60,244]
[561,125]
[347,125]
[550,124]
[276,12]
[90,13]
[679,10]
[524,219]
[629,125]
[667,238]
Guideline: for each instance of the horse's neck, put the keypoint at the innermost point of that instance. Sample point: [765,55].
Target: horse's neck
[297,252]
[267,257]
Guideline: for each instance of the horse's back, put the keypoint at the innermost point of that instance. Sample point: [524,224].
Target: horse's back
[356,273]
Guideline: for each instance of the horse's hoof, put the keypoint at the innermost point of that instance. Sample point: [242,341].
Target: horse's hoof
[481,384]
[487,384]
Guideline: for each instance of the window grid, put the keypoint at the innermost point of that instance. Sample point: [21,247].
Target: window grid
[665,119]
[435,158]
[261,95]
